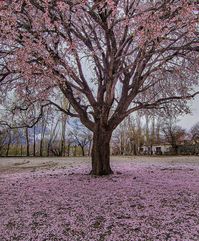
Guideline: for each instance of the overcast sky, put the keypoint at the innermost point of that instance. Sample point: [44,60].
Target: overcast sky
[187,121]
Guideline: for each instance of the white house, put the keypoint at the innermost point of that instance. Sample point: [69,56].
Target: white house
[155,149]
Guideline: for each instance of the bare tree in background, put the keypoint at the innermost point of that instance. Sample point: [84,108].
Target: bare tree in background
[173,133]
[3,142]
[81,136]
[195,133]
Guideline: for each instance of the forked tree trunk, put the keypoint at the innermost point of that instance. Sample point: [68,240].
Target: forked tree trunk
[101,153]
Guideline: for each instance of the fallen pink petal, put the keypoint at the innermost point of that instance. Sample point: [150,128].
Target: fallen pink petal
[143,200]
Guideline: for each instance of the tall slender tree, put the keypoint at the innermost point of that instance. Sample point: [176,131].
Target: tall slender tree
[109,58]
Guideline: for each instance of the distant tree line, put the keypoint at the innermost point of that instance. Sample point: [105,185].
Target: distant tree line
[55,134]
[149,130]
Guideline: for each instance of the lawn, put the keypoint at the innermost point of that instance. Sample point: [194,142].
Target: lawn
[148,198]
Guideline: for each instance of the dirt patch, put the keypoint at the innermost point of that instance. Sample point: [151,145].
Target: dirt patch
[27,166]
[21,163]
[15,165]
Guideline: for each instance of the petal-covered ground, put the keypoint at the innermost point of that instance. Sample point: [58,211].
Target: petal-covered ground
[145,200]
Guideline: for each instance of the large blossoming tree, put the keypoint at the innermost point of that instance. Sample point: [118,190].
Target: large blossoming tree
[109,58]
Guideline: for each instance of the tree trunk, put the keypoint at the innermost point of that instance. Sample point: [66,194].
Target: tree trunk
[48,149]
[27,142]
[34,141]
[8,149]
[41,147]
[68,150]
[89,148]
[83,153]
[9,143]
[75,150]
[62,150]
[135,149]
[101,153]
[175,149]
[21,150]
[63,136]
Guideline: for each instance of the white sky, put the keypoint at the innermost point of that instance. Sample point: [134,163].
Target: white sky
[187,121]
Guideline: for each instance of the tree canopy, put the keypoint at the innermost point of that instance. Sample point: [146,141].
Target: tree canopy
[109,58]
